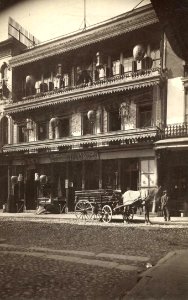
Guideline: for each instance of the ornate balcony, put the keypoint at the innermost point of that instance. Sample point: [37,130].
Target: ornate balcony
[118,83]
[121,137]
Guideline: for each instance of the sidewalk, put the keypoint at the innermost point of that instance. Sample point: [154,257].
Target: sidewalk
[138,219]
[168,280]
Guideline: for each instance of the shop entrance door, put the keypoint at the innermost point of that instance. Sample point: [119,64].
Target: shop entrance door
[30,190]
[129,174]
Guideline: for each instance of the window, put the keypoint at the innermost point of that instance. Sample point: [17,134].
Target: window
[87,125]
[127,65]
[155,55]
[64,127]
[42,131]
[114,120]
[4,130]
[147,168]
[145,116]
[22,133]
[116,67]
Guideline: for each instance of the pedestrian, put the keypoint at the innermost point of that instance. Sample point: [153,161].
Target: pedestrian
[165,206]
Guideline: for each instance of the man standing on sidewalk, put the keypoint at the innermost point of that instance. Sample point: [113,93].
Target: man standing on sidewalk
[164,206]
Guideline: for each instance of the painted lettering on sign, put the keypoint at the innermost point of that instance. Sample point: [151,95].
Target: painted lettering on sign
[75,156]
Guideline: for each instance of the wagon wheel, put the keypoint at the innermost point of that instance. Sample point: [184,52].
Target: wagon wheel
[83,210]
[106,213]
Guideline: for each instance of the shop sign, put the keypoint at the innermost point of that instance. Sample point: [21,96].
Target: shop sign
[75,156]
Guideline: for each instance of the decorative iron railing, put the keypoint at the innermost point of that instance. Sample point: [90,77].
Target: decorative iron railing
[126,77]
[174,130]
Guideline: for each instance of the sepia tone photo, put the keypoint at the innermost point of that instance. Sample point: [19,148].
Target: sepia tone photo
[93,149]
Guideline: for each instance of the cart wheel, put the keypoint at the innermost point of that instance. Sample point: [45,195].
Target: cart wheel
[83,210]
[106,213]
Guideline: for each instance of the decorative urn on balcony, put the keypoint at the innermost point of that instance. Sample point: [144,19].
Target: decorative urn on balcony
[138,52]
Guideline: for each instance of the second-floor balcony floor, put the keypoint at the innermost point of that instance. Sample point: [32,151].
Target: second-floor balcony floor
[109,139]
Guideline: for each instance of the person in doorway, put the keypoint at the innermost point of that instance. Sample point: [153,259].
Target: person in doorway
[165,206]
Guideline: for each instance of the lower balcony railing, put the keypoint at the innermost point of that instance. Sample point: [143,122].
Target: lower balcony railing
[175,130]
[132,136]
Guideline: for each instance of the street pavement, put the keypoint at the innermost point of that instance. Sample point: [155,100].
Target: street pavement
[58,257]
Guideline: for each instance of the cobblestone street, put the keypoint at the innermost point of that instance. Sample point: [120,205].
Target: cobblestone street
[78,261]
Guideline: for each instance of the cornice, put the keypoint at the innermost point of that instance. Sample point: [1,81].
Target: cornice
[87,37]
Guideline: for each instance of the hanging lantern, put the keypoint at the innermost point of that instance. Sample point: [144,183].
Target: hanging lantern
[43,179]
[14,179]
[30,80]
[54,122]
[91,115]
[37,178]
[20,177]
[138,52]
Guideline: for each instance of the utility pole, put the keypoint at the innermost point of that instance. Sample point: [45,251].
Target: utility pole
[84,14]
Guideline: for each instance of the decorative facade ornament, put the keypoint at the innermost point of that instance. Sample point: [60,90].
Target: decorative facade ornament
[124,111]
[138,52]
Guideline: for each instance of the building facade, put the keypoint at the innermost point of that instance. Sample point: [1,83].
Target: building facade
[8,48]
[88,108]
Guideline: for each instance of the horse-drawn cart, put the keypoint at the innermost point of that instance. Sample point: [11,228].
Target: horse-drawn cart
[103,204]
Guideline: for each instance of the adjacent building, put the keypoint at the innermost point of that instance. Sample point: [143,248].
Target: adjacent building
[8,48]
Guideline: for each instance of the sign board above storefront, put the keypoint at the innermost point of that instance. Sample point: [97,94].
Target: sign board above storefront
[75,156]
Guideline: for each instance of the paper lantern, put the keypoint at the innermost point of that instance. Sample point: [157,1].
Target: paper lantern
[138,52]
[20,177]
[43,179]
[14,179]
[91,115]
[37,178]
[30,80]
[54,122]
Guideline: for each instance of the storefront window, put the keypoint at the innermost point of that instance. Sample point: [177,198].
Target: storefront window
[147,173]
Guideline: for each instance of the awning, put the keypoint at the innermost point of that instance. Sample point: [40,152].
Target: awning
[174,144]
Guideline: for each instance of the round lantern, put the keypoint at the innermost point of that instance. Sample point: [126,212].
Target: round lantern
[20,177]
[54,122]
[37,178]
[91,115]
[14,179]
[138,52]
[43,179]
[30,80]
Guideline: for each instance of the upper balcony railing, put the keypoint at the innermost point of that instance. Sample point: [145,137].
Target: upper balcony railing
[128,77]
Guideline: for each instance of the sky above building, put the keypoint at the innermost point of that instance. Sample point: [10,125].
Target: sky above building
[48,19]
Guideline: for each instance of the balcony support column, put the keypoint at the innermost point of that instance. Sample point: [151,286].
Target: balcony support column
[100,174]
[99,120]
[157,115]
[83,175]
